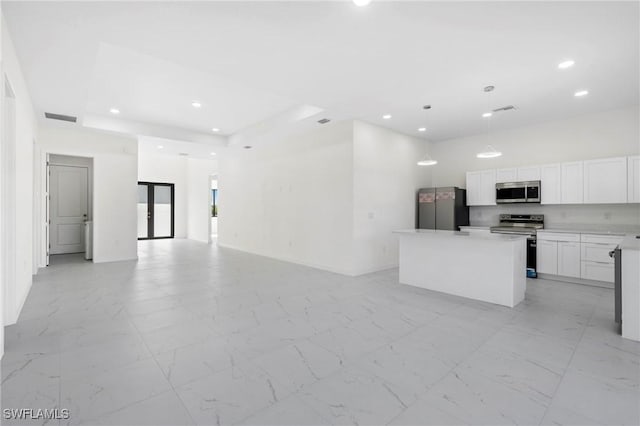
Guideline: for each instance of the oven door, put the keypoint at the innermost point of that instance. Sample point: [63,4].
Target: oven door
[510,193]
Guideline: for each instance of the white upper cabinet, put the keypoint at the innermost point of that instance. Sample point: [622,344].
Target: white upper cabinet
[506,175]
[571,183]
[633,179]
[605,181]
[528,173]
[601,181]
[481,188]
[550,189]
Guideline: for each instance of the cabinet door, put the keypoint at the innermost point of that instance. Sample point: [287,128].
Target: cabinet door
[488,187]
[550,189]
[569,259]
[528,173]
[547,257]
[598,271]
[605,181]
[633,179]
[571,183]
[506,175]
[474,188]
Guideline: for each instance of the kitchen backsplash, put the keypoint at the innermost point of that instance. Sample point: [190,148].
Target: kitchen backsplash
[601,215]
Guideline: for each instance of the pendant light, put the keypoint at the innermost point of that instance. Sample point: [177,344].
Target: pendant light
[490,151]
[426,160]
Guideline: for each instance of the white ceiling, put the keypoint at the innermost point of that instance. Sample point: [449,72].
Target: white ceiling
[249,61]
[170,147]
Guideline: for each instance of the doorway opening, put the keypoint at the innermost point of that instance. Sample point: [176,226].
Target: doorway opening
[213,201]
[69,208]
[156,210]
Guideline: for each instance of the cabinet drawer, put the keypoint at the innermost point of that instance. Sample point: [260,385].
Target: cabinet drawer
[601,239]
[598,271]
[558,236]
[597,252]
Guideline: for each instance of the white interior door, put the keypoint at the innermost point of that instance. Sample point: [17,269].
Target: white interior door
[69,208]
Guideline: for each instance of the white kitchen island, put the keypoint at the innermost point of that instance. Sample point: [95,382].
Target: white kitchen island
[490,267]
[631,287]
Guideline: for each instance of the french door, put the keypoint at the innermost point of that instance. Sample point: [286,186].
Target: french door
[156,210]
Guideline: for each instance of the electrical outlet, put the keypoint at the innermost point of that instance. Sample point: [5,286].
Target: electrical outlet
[607,216]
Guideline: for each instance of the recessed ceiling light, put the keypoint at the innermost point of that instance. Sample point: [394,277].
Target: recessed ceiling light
[247,147]
[487,114]
[386,116]
[566,64]
[422,129]
[427,163]
[580,93]
[215,129]
[114,111]
[213,153]
[361,2]
[160,146]
[196,104]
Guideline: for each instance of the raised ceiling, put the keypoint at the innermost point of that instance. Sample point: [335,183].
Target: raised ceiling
[249,61]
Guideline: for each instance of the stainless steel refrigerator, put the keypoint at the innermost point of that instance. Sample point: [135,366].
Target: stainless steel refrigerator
[442,208]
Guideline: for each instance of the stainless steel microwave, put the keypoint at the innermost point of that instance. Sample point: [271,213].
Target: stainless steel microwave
[518,192]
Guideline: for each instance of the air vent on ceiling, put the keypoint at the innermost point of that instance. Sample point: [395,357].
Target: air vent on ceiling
[61,117]
[183,154]
[504,108]
[324,121]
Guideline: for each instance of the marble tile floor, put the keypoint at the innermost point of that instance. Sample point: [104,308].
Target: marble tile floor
[195,334]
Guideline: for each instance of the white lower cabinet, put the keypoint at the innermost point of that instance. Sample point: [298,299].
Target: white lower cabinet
[569,259]
[558,253]
[598,271]
[596,263]
[584,256]
[547,257]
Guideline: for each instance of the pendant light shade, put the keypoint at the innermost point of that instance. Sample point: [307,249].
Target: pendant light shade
[489,152]
[427,161]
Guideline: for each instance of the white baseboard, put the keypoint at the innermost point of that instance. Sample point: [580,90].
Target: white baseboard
[573,280]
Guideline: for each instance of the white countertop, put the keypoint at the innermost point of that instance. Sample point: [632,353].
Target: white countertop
[593,229]
[620,230]
[476,236]
[630,242]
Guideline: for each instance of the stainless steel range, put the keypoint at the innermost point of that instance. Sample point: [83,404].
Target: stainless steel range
[523,224]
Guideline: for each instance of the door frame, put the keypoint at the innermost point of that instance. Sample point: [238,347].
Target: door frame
[51,165]
[150,209]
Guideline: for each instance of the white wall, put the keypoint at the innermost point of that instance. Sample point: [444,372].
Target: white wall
[385,181]
[191,179]
[2,301]
[168,169]
[115,176]
[328,197]
[19,250]
[292,199]
[199,198]
[605,134]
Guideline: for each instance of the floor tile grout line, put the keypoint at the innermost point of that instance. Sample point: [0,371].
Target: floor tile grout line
[153,356]
[555,391]
[445,375]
